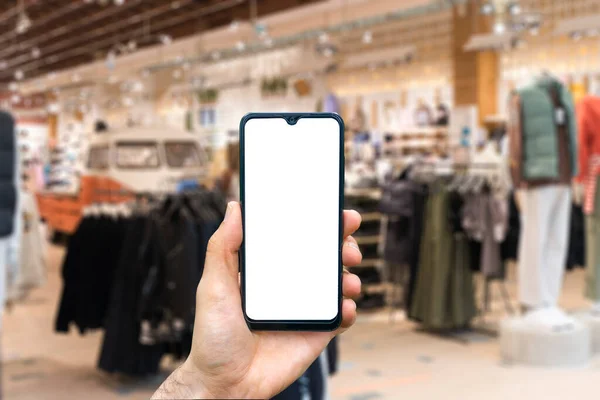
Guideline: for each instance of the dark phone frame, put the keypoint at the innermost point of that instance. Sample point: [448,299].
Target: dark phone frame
[292,325]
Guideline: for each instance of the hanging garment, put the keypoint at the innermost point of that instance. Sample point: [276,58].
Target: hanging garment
[577,238]
[588,125]
[592,246]
[31,271]
[8,174]
[152,303]
[88,272]
[403,202]
[545,213]
[443,296]
[121,349]
[484,219]
[331,104]
[510,245]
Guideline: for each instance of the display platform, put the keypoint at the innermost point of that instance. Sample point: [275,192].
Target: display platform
[546,338]
[591,318]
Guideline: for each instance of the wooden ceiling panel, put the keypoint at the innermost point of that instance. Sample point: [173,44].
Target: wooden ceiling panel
[73,32]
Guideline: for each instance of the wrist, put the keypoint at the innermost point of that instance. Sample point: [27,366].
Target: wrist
[184,383]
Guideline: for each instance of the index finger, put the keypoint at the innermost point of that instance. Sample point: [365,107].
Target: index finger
[352,221]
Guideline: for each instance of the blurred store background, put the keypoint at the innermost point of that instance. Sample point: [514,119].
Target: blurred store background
[120,119]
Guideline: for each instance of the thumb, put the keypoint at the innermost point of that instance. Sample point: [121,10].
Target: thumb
[223,246]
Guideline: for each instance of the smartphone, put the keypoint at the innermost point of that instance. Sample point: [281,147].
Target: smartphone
[291,191]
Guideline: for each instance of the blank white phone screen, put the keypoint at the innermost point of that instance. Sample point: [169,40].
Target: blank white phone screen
[291,204]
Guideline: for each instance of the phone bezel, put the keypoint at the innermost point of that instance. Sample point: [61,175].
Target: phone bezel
[292,325]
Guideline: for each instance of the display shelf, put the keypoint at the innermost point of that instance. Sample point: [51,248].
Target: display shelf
[368,237]
[371,262]
[413,140]
[372,216]
[379,288]
[372,193]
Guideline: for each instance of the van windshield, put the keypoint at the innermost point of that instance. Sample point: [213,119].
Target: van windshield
[98,157]
[137,155]
[183,154]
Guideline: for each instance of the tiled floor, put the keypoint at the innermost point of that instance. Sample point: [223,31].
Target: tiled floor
[380,360]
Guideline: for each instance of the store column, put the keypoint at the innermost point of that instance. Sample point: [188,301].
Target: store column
[475,75]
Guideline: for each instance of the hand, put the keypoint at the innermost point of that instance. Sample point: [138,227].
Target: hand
[227,359]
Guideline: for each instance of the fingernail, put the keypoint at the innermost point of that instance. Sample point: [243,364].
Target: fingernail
[229,208]
[353,245]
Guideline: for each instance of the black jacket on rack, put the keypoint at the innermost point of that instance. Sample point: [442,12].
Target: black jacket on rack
[403,202]
[88,272]
[8,162]
[137,277]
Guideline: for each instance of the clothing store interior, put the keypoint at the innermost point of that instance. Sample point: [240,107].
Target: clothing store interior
[469,152]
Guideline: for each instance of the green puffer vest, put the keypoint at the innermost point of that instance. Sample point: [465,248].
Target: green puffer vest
[540,137]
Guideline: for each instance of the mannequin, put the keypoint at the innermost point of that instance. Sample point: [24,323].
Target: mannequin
[543,159]
[588,121]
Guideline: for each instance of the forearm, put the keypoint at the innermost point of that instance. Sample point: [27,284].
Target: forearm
[181,384]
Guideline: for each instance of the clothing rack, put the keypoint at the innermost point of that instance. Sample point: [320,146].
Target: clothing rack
[445,172]
[129,266]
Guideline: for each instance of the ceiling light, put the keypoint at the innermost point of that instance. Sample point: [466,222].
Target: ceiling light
[76,78]
[15,98]
[19,74]
[323,37]
[137,87]
[215,55]
[234,26]
[132,45]
[514,8]
[328,52]
[165,39]
[487,8]
[23,23]
[499,28]
[367,37]
[35,52]
[240,46]
[175,5]
[13,86]
[269,42]
[119,2]
[52,76]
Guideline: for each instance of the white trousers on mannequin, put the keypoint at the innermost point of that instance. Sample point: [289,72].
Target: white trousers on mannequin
[543,245]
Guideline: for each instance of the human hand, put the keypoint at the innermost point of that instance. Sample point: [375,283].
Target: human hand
[228,360]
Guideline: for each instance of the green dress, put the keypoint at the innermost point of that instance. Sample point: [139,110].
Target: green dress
[444,295]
